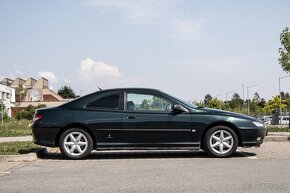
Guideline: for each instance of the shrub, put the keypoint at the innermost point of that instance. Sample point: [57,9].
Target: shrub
[28,112]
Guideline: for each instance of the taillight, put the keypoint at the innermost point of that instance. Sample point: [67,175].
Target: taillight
[37,117]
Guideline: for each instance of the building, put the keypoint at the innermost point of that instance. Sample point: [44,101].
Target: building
[32,92]
[7,95]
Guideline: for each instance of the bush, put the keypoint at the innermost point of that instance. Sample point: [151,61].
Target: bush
[28,112]
[14,128]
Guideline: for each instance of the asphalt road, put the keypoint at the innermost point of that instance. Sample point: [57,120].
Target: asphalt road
[156,171]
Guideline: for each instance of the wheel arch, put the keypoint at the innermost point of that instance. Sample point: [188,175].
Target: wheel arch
[221,123]
[75,125]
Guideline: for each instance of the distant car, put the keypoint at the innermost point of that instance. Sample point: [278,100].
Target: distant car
[138,118]
[284,120]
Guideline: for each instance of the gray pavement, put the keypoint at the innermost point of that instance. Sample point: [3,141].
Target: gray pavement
[265,169]
[151,175]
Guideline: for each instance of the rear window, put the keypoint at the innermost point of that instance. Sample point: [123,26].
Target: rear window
[109,102]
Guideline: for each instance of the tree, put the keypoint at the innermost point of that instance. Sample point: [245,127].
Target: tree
[66,92]
[215,103]
[207,98]
[21,91]
[273,104]
[284,51]
[236,101]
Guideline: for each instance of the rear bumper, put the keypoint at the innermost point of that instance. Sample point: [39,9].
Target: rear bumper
[253,136]
[45,136]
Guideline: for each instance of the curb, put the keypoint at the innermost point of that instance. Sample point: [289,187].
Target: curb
[33,156]
[16,139]
[276,138]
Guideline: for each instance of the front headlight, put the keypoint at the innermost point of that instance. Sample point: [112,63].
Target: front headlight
[258,124]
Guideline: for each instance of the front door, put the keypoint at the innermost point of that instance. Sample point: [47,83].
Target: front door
[149,121]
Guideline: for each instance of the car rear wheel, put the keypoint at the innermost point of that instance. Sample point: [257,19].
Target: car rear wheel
[75,143]
[220,141]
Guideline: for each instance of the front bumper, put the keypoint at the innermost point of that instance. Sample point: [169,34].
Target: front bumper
[253,136]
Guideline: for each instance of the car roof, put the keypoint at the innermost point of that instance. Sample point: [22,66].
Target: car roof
[129,89]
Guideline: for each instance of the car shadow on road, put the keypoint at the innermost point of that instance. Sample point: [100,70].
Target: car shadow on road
[141,154]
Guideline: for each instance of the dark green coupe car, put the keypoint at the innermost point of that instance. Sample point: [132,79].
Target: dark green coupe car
[138,118]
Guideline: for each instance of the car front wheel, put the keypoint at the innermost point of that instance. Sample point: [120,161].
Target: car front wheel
[220,141]
[75,143]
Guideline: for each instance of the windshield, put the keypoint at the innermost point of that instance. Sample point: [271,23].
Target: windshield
[183,101]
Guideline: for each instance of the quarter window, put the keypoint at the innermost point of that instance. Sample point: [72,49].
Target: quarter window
[145,102]
[108,102]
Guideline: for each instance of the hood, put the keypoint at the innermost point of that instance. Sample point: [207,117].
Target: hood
[228,113]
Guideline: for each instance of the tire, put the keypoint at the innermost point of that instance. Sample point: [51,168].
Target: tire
[75,143]
[220,141]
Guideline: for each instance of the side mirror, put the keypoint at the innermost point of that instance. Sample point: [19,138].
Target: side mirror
[177,108]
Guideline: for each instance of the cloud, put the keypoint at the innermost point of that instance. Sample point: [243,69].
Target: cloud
[188,30]
[99,68]
[163,13]
[49,76]
[145,11]
[66,80]
[18,70]
[101,73]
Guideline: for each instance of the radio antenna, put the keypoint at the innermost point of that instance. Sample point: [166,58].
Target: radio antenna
[95,79]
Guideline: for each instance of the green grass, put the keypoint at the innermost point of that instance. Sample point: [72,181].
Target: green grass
[278,129]
[14,148]
[14,128]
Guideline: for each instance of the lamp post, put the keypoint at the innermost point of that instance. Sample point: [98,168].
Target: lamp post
[229,93]
[2,116]
[248,87]
[217,95]
[280,97]
[243,92]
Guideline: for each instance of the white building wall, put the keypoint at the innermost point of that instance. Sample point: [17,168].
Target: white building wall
[7,96]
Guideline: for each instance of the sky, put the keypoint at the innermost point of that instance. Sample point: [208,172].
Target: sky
[187,48]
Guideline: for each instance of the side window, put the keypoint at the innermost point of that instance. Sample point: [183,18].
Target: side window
[145,102]
[108,102]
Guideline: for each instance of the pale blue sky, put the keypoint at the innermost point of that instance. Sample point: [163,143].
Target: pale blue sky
[187,48]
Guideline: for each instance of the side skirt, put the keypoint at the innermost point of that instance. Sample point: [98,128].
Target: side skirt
[126,146]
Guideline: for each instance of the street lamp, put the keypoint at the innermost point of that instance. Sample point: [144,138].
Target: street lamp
[217,95]
[2,111]
[243,92]
[280,97]
[229,93]
[248,87]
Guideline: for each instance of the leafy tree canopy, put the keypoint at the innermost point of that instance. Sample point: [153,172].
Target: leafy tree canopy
[66,92]
[284,51]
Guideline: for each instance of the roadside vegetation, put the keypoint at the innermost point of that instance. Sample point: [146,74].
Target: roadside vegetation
[278,129]
[14,128]
[257,106]
[14,148]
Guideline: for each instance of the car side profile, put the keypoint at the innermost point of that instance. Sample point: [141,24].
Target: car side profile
[139,118]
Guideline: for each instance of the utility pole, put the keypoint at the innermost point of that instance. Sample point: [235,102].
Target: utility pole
[280,97]
[2,111]
[248,87]
[243,92]
[229,93]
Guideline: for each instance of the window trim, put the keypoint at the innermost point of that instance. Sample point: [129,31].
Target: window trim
[120,106]
[146,111]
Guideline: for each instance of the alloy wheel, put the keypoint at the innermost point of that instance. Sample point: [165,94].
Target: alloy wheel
[221,142]
[75,143]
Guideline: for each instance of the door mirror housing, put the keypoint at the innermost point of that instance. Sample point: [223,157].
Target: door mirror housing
[177,108]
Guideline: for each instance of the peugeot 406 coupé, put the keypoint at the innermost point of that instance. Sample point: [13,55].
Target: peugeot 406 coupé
[138,118]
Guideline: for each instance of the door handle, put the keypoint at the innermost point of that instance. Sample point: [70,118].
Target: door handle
[130,117]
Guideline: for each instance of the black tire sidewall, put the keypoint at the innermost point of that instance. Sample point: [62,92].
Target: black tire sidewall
[82,156]
[209,133]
